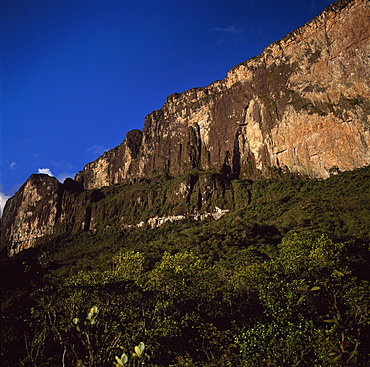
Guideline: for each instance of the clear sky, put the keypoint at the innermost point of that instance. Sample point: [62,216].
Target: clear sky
[76,75]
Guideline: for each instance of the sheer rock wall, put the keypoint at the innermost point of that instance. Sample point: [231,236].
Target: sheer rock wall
[302,105]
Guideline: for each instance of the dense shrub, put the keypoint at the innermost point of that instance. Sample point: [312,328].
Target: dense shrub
[282,281]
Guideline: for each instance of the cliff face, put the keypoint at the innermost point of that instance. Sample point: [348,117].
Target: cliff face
[43,206]
[304,103]
[33,211]
[19,226]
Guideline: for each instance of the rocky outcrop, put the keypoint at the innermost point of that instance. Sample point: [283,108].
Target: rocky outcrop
[159,221]
[20,226]
[304,104]
[43,206]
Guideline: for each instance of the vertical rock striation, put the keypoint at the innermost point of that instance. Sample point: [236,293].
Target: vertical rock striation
[20,227]
[304,104]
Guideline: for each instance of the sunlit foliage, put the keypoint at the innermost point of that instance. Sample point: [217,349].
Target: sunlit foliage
[282,281]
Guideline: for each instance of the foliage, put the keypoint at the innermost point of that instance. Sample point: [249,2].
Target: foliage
[281,281]
[310,317]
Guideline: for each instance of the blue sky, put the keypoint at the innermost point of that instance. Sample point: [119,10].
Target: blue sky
[76,75]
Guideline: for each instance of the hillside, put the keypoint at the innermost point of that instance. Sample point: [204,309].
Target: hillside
[282,279]
[233,230]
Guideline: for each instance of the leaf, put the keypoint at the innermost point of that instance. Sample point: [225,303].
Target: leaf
[301,299]
[337,272]
[315,288]
[331,321]
[94,310]
[142,347]
[138,351]
[124,358]
[120,363]
[336,359]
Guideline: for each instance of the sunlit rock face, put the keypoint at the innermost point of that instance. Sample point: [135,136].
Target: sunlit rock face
[31,213]
[44,206]
[303,104]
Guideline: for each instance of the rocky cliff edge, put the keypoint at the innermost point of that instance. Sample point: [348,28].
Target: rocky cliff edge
[302,105]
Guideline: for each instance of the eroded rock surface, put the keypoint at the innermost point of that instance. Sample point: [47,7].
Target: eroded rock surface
[20,226]
[304,103]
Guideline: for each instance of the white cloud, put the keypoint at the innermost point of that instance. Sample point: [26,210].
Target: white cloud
[13,165]
[96,150]
[232,29]
[232,33]
[45,171]
[3,199]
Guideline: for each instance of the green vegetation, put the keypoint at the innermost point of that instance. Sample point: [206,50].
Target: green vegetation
[282,280]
